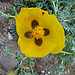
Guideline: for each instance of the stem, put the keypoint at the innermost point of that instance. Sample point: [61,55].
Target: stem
[24,58]
[31,68]
[16,71]
[12,16]
[69,19]
[17,56]
[60,65]
[61,62]
[65,52]
[13,54]
[58,73]
[57,8]
[54,7]
[20,64]
[7,15]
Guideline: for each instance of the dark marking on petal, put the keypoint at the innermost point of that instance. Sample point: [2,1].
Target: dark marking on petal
[28,34]
[42,13]
[34,24]
[47,32]
[38,41]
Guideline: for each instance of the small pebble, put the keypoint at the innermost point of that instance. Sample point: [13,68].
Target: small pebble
[48,72]
[43,71]
[10,36]
[66,72]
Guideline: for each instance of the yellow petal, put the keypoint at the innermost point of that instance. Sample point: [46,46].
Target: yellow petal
[21,28]
[30,49]
[27,15]
[56,35]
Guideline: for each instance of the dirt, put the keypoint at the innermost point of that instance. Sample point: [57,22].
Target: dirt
[4,25]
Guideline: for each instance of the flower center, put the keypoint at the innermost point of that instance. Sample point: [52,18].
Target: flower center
[38,32]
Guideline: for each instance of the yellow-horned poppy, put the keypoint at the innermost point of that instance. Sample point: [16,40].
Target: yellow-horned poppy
[39,33]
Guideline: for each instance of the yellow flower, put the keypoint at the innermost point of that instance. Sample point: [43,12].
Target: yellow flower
[68,70]
[39,32]
[26,67]
[11,73]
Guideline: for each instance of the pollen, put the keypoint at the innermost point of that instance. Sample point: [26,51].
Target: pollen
[38,32]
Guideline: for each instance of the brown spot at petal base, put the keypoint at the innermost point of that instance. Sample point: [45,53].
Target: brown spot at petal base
[28,34]
[47,32]
[38,41]
[42,13]
[34,24]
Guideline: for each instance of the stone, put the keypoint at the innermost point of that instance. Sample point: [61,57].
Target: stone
[47,58]
[43,71]
[9,62]
[2,71]
[10,36]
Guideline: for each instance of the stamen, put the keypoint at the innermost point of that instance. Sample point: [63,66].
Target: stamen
[38,32]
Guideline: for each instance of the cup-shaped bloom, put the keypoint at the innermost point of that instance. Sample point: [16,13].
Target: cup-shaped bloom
[39,33]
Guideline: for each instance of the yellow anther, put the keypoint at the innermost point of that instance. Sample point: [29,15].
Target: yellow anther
[38,32]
